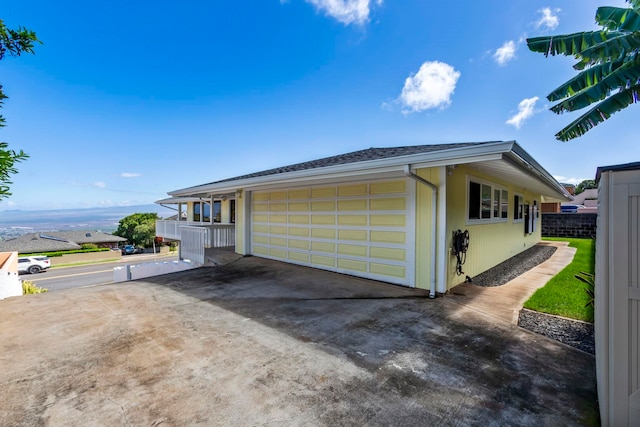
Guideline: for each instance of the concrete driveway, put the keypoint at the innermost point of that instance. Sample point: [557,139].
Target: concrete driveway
[261,343]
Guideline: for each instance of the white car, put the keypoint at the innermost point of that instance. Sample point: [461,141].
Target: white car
[33,264]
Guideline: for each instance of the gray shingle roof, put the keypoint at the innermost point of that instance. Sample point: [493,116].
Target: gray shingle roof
[355,157]
[56,241]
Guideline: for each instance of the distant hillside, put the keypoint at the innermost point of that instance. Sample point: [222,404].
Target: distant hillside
[17,222]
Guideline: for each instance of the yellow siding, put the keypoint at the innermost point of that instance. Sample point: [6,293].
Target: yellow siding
[277,241]
[261,239]
[353,250]
[317,193]
[323,233]
[260,218]
[388,237]
[277,230]
[489,243]
[260,197]
[297,256]
[299,219]
[352,205]
[299,244]
[391,204]
[299,194]
[350,264]
[278,253]
[323,206]
[323,247]
[298,207]
[278,207]
[260,250]
[323,219]
[323,260]
[355,220]
[260,207]
[388,253]
[388,220]
[278,218]
[389,187]
[352,235]
[278,195]
[260,229]
[387,270]
[352,190]
[298,231]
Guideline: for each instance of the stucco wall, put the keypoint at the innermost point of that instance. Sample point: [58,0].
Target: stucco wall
[581,225]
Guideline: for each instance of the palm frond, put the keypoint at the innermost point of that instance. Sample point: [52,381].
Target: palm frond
[614,48]
[618,19]
[622,78]
[635,4]
[569,44]
[586,78]
[600,113]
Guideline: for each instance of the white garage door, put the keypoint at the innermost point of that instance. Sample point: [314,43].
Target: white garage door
[365,229]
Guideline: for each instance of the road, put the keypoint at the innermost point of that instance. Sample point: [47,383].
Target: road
[59,278]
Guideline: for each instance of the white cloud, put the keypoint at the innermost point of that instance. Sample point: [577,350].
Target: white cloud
[11,204]
[526,109]
[565,180]
[549,18]
[99,184]
[129,175]
[431,87]
[505,53]
[346,11]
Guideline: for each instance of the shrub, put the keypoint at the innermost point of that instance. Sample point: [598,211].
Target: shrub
[29,288]
[89,246]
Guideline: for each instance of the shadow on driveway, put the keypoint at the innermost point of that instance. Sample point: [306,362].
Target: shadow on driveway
[258,342]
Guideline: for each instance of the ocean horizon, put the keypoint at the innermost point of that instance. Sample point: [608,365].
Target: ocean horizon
[18,222]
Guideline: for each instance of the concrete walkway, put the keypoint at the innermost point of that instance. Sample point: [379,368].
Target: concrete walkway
[505,302]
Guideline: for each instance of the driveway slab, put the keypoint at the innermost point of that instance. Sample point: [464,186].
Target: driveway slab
[258,342]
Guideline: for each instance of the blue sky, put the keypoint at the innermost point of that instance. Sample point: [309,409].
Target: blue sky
[125,101]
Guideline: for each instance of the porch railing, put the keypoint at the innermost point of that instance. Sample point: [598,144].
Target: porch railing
[212,235]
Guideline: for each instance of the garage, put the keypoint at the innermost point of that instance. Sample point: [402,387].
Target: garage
[365,229]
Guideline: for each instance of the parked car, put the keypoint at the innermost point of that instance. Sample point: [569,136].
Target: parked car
[33,264]
[570,208]
[130,249]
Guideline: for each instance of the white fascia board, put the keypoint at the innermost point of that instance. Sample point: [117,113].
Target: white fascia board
[437,158]
[176,200]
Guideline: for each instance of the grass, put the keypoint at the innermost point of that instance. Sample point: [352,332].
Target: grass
[564,295]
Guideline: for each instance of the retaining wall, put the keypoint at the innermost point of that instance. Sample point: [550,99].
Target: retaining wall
[582,225]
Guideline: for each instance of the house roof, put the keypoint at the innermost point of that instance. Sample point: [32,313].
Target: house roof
[36,242]
[616,168]
[502,158]
[56,241]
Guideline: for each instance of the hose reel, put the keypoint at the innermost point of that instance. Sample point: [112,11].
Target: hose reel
[459,249]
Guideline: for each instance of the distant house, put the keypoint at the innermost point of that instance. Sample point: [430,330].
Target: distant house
[396,214]
[58,241]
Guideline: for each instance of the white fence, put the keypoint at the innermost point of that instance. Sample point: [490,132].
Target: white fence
[617,297]
[192,243]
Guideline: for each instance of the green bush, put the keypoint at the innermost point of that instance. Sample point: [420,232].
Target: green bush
[89,246]
[60,253]
[29,288]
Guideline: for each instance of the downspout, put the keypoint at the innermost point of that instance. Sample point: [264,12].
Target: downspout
[434,212]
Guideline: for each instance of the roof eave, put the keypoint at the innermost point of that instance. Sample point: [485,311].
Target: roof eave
[431,159]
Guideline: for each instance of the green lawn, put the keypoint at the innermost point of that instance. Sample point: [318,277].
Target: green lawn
[564,295]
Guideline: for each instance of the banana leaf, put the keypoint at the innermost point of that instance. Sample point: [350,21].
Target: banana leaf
[600,113]
[570,44]
[618,19]
[584,79]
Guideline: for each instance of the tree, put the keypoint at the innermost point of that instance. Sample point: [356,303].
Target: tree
[138,228]
[587,184]
[608,65]
[12,43]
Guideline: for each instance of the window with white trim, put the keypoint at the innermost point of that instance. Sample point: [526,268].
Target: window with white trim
[486,201]
[518,207]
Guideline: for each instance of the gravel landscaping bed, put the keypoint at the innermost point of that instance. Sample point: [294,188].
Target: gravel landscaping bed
[514,266]
[571,332]
[575,333]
